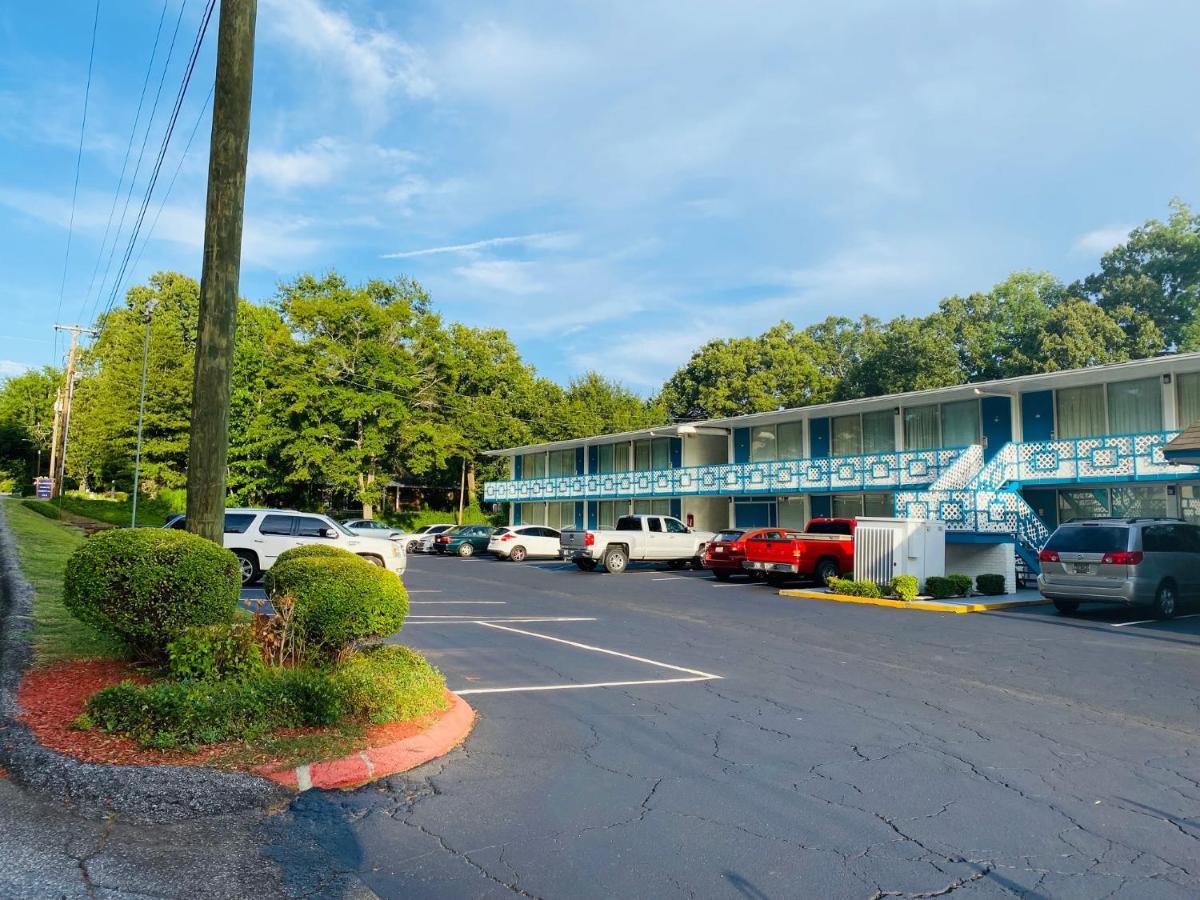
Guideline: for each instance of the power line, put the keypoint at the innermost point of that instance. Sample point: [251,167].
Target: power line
[167,193]
[141,154]
[128,151]
[87,93]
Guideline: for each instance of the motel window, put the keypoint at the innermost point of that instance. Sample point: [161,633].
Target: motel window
[873,432]
[1124,500]
[533,513]
[1124,407]
[1188,388]
[1135,407]
[960,423]
[651,507]
[851,506]
[652,453]
[562,462]
[613,458]
[763,445]
[921,430]
[1189,503]
[533,465]
[847,435]
[790,439]
[560,515]
[608,511]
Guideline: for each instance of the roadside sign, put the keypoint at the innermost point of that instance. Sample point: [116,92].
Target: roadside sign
[43,486]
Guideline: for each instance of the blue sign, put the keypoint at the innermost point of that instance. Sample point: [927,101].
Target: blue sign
[43,486]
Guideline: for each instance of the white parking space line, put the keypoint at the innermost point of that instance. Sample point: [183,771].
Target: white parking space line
[475,620]
[670,578]
[457,602]
[704,676]
[572,687]
[1153,621]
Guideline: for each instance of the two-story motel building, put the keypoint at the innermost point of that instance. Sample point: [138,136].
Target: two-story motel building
[1006,459]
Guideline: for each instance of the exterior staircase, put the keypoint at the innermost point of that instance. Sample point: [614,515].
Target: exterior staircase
[982,498]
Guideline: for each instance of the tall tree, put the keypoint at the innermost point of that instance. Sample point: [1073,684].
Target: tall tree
[1155,272]
[27,422]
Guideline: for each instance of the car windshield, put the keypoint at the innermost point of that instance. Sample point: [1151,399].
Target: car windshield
[729,536]
[1089,539]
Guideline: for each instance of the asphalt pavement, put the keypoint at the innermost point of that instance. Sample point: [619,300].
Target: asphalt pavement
[658,734]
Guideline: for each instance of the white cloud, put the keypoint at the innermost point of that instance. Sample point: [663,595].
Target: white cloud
[1100,240]
[543,240]
[322,161]
[375,63]
[504,275]
[10,367]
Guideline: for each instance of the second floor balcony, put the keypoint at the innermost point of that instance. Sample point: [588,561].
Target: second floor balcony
[905,469]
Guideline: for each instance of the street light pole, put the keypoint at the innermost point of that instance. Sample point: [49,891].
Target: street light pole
[137,459]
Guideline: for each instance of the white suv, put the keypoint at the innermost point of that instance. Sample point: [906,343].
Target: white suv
[258,536]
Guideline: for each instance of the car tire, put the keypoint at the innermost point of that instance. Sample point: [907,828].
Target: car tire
[586,565]
[615,560]
[373,560]
[248,563]
[1067,607]
[826,569]
[465,551]
[517,554]
[1166,601]
[720,574]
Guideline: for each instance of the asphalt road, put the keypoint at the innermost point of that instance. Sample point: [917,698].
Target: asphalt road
[844,751]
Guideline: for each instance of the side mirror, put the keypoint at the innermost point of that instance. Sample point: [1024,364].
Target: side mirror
[329,533]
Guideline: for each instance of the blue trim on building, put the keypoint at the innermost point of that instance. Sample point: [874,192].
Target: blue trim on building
[741,445]
[578,460]
[676,452]
[517,460]
[754,514]
[1044,502]
[677,508]
[979,537]
[1037,416]
[593,514]
[818,437]
[593,458]
[579,514]
[516,512]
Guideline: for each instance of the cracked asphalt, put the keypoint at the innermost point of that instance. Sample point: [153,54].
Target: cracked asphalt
[846,751]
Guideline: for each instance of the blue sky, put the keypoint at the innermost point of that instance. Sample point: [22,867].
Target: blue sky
[616,182]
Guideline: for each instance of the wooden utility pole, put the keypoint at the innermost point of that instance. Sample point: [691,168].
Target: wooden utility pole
[208,445]
[62,410]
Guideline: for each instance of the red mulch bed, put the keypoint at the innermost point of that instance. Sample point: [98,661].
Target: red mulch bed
[52,698]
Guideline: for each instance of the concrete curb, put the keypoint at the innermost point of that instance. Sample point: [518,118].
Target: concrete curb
[921,605]
[141,794]
[360,768]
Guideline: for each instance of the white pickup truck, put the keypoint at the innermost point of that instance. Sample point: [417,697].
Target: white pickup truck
[635,538]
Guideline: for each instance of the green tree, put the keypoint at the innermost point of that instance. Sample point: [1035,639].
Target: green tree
[910,355]
[1078,334]
[27,422]
[1155,272]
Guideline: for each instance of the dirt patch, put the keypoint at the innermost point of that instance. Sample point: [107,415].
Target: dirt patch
[52,698]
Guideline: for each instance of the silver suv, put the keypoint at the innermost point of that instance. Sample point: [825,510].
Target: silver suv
[1150,562]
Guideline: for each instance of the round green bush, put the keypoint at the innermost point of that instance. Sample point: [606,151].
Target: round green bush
[338,602]
[904,587]
[314,551]
[209,652]
[389,683]
[145,586]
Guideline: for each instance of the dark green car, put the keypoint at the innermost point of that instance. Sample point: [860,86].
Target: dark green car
[464,541]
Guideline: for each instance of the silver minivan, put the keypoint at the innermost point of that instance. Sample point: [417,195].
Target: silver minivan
[1149,562]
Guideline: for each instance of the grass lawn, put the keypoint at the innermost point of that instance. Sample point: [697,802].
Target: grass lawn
[43,547]
[151,513]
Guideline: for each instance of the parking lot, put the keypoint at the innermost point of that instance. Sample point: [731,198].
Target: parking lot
[657,734]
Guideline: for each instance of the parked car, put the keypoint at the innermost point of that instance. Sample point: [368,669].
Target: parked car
[726,552]
[374,528]
[521,541]
[464,541]
[824,550]
[421,540]
[258,536]
[635,538]
[1145,562]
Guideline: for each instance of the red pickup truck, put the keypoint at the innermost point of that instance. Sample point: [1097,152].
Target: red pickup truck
[824,550]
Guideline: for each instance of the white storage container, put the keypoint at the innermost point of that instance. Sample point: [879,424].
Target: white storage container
[884,548]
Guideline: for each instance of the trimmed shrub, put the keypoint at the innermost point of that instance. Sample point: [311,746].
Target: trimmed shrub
[207,652]
[339,602]
[145,586]
[42,508]
[310,551]
[390,684]
[183,714]
[961,584]
[990,585]
[903,587]
[853,588]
